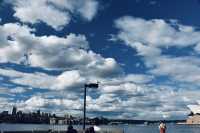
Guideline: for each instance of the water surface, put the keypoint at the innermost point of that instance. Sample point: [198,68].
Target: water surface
[127,128]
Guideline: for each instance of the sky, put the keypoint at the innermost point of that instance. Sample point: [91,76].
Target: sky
[143,53]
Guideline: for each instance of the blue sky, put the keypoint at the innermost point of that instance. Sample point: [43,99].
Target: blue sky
[144,53]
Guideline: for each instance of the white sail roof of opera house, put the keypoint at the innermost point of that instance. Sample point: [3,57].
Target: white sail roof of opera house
[194,108]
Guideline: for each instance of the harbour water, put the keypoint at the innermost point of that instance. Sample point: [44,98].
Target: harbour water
[171,128]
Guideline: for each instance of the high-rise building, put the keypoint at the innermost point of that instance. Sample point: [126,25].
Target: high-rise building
[14,110]
[38,112]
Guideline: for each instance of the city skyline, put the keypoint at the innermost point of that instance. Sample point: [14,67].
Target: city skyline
[19,117]
[143,53]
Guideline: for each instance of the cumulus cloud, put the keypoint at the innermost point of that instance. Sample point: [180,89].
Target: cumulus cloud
[20,45]
[149,37]
[13,91]
[65,80]
[156,32]
[138,78]
[72,79]
[70,55]
[128,95]
[6,103]
[21,42]
[145,102]
[123,95]
[4,90]
[39,102]
[19,90]
[153,2]
[56,14]
[109,99]
[184,69]
[69,79]
[151,105]
[86,8]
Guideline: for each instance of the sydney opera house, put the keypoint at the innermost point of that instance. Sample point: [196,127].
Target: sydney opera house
[194,117]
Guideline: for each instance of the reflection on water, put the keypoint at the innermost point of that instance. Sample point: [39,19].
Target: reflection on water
[127,128]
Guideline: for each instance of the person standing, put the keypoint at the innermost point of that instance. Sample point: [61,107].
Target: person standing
[71,129]
[90,130]
[162,127]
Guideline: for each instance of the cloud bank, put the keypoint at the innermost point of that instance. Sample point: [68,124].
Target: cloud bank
[151,37]
[56,14]
[49,72]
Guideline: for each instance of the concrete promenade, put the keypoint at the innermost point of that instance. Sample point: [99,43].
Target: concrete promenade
[104,131]
[107,130]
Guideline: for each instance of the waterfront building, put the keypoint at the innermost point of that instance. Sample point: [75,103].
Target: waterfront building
[52,121]
[194,119]
[194,116]
[14,110]
[4,113]
[38,113]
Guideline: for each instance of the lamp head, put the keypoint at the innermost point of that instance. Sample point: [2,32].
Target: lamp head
[92,85]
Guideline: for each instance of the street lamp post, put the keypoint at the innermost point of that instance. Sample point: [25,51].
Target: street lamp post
[90,85]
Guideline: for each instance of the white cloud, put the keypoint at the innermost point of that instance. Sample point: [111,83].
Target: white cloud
[6,103]
[65,80]
[153,2]
[107,67]
[116,95]
[156,32]
[86,8]
[38,102]
[130,94]
[148,37]
[138,78]
[148,102]
[180,68]
[20,45]
[37,80]
[197,48]
[56,14]
[24,42]
[19,90]
[69,79]
[71,54]
[126,78]
[194,108]
[4,90]
[118,92]
[127,88]
[12,91]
